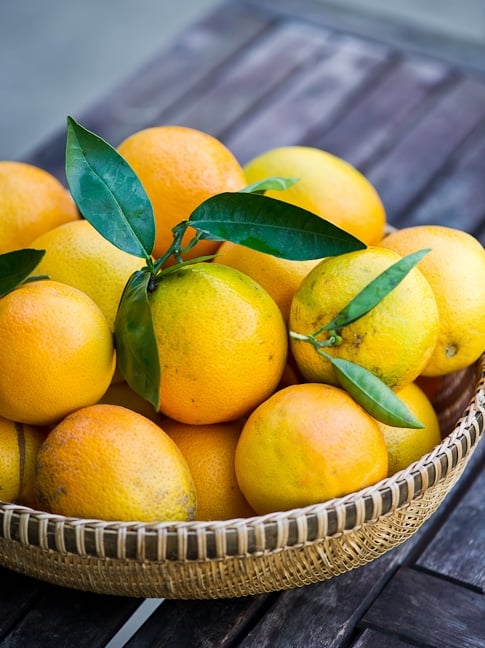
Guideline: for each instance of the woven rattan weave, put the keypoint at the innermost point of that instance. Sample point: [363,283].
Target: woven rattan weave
[248,556]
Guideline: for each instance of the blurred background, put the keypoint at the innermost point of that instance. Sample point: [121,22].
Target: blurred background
[58,56]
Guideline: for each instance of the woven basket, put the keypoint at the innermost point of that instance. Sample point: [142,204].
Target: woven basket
[259,554]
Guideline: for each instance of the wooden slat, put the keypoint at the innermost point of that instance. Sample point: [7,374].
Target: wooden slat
[212,624]
[458,550]
[17,594]
[308,103]
[375,639]
[403,174]
[372,25]
[430,611]
[64,618]
[172,78]
[387,108]
[458,197]
[326,612]
[253,74]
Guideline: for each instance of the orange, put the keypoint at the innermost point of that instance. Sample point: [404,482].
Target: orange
[209,451]
[327,186]
[279,277]
[406,445]
[455,270]
[107,462]
[179,168]
[222,343]
[19,444]
[306,444]
[32,201]
[56,354]
[394,340]
[76,254]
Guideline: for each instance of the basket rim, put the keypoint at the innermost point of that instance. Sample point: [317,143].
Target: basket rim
[271,531]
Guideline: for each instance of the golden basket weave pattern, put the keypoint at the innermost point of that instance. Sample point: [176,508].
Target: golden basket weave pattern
[245,556]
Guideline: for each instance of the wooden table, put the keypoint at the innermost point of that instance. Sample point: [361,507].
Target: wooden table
[409,111]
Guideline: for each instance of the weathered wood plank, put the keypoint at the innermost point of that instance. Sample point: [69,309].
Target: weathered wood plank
[457,198]
[458,549]
[273,57]
[216,624]
[375,120]
[308,103]
[327,612]
[396,34]
[67,618]
[174,77]
[17,594]
[374,639]
[402,175]
[430,611]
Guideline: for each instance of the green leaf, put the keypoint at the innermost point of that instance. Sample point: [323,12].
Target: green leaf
[375,291]
[372,394]
[107,192]
[271,226]
[270,184]
[136,344]
[16,266]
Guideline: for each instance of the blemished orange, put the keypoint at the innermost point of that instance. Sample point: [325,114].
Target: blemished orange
[306,444]
[19,445]
[179,168]
[57,352]
[76,254]
[108,462]
[32,201]
[394,340]
[209,451]
[406,445]
[279,277]
[327,186]
[455,270]
[222,343]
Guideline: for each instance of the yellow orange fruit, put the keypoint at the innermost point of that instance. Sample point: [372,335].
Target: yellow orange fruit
[19,445]
[209,451]
[110,463]
[327,186]
[179,168]
[394,340]
[406,445]
[222,343]
[32,201]
[56,354]
[455,270]
[76,254]
[279,277]
[306,444]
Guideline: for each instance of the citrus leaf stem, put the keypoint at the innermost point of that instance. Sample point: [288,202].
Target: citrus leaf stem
[333,339]
[366,388]
[274,183]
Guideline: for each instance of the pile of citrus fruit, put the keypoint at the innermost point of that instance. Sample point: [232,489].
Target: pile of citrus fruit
[183,338]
